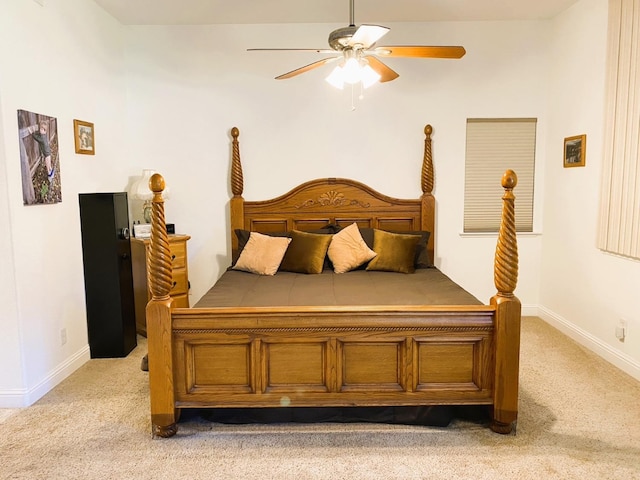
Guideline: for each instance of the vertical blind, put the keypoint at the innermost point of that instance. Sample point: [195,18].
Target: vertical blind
[619,222]
[493,146]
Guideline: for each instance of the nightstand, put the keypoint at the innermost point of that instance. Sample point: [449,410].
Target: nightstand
[180,290]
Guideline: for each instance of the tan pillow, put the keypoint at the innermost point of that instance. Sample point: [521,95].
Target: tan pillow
[396,252]
[262,254]
[348,249]
[306,252]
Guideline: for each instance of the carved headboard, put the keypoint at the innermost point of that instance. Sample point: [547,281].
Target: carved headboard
[335,201]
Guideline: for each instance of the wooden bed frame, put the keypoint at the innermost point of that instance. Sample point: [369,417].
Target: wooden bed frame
[333,356]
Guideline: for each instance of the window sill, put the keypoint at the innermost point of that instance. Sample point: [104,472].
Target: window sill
[495,234]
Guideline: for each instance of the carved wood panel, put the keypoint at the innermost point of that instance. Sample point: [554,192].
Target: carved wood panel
[272,367]
[456,362]
[371,366]
[295,366]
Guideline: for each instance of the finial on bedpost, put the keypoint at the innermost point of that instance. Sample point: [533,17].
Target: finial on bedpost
[427,162]
[237,182]
[506,259]
[159,262]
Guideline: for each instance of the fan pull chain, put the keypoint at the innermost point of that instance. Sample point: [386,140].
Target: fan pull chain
[353,96]
[353,106]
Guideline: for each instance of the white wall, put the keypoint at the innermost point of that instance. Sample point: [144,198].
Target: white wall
[585,291]
[64,60]
[188,86]
[166,98]
[11,368]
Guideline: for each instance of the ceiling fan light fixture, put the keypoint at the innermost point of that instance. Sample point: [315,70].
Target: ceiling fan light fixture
[336,78]
[351,71]
[368,76]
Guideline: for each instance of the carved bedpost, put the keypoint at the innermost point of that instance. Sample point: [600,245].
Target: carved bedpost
[508,313]
[163,413]
[426,180]
[506,262]
[237,182]
[428,200]
[236,205]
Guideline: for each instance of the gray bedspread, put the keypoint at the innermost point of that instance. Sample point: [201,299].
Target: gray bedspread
[427,286]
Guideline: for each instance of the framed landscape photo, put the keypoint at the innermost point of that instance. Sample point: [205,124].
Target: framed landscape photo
[84,137]
[575,149]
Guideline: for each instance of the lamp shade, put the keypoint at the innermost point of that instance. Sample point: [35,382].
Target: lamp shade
[140,189]
[353,71]
[335,78]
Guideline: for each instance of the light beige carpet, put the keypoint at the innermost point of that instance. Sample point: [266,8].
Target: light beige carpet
[579,419]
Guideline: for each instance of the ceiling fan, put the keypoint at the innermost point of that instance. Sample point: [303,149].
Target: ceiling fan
[358,54]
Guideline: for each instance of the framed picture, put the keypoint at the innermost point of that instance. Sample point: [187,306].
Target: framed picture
[84,137]
[575,149]
[39,159]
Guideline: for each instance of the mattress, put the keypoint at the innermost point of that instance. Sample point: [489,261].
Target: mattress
[427,286]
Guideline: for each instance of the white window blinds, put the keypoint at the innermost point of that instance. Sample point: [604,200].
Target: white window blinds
[493,146]
[619,229]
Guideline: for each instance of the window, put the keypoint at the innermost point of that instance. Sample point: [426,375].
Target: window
[619,229]
[493,146]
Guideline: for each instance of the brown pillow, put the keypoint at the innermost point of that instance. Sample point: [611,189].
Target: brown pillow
[348,250]
[306,252]
[422,259]
[395,252]
[262,254]
[328,229]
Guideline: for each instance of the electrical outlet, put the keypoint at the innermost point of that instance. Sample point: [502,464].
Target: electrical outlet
[621,330]
[63,336]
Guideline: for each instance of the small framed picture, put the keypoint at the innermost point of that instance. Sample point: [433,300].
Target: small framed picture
[575,149]
[84,137]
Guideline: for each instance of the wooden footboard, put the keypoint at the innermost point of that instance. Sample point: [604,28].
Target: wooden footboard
[334,356]
[265,357]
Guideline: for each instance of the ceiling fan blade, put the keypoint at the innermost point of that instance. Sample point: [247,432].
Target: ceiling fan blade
[367,35]
[419,51]
[306,68]
[316,50]
[386,73]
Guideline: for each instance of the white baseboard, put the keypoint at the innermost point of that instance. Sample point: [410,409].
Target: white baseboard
[17,398]
[12,398]
[621,360]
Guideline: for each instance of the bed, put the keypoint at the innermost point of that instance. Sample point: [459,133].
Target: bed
[317,339]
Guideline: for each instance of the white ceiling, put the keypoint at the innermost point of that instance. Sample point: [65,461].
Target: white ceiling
[199,12]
